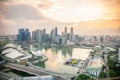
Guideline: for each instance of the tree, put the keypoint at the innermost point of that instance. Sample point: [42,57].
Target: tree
[113,73]
[102,75]
[83,77]
[111,64]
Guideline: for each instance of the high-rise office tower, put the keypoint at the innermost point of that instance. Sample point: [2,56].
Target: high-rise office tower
[20,36]
[55,31]
[58,39]
[24,36]
[27,35]
[52,34]
[34,36]
[65,29]
[101,39]
[44,35]
[65,34]
[38,35]
[71,35]
[44,31]
[71,30]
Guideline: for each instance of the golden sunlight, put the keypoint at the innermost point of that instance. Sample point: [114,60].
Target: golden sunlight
[90,12]
[74,14]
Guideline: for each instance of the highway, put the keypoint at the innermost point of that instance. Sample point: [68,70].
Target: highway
[6,76]
[83,67]
[38,71]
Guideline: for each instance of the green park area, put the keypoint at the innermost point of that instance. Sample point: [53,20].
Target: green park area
[114,70]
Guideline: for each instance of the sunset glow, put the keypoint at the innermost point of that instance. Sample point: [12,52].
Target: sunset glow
[93,15]
[74,13]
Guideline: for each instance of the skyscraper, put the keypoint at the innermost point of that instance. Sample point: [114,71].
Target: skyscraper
[38,35]
[44,35]
[58,39]
[34,36]
[55,31]
[27,35]
[65,29]
[20,36]
[71,35]
[101,39]
[65,34]
[71,30]
[23,36]
[52,34]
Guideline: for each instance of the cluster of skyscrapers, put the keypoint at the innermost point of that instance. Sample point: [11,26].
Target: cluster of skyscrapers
[40,36]
[69,38]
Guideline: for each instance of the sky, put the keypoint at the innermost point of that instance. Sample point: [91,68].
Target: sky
[87,17]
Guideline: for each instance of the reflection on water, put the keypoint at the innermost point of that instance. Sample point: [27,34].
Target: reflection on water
[57,55]
[56,60]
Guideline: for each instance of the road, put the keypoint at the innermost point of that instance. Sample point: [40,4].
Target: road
[82,68]
[105,63]
[6,76]
[38,71]
[114,78]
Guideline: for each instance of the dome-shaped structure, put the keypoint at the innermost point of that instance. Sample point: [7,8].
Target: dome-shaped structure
[9,45]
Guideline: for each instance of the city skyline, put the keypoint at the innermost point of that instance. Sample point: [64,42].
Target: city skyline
[102,18]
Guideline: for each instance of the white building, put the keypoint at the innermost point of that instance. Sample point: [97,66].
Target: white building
[37,53]
[13,54]
[108,49]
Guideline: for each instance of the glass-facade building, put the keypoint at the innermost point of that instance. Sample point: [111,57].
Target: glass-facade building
[23,36]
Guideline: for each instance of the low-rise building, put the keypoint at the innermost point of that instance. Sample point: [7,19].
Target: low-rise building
[94,66]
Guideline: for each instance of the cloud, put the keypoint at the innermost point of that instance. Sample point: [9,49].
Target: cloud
[46,4]
[111,2]
[111,8]
[21,11]
[98,27]
[3,0]
[15,15]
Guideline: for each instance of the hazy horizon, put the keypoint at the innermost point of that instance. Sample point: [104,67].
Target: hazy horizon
[87,17]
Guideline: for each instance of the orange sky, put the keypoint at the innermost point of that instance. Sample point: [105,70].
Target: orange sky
[94,17]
